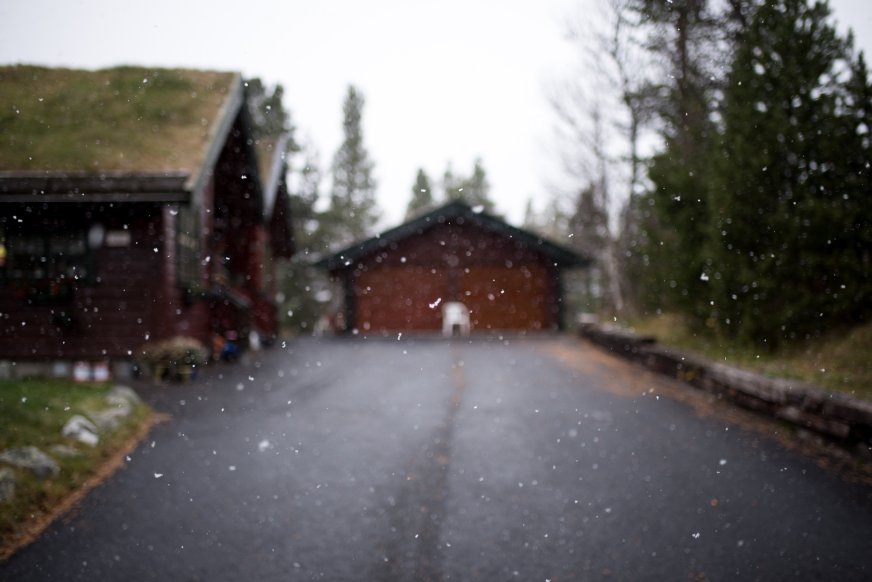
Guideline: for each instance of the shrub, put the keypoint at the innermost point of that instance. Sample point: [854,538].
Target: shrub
[172,356]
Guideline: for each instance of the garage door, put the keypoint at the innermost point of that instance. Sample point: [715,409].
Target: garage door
[507,298]
[400,298]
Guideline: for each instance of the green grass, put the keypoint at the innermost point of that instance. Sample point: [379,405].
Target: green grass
[33,412]
[840,361]
[125,118]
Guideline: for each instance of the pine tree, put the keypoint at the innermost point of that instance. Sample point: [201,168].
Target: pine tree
[683,35]
[268,114]
[422,195]
[452,186]
[776,209]
[853,299]
[532,221]
[589,228]
[353,209]
[310,236]
[474,190]
[302,281]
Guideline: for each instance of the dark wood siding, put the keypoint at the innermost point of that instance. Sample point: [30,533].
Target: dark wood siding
[109,316]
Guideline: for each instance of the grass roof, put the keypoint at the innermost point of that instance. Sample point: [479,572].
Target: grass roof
[120,119]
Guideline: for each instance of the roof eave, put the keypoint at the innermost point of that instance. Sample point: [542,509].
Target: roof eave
[274,178]
[114,186]
[218,133]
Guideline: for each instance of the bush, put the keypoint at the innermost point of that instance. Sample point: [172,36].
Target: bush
[173,356]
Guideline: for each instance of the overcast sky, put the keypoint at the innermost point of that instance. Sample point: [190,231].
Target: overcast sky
[445,81]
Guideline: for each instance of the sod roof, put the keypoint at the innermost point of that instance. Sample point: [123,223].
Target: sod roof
[124,119]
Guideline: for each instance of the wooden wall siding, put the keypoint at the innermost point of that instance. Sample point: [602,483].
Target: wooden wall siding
[110,317]
[167,299]
[281,234]
[505,285]
[254,257]
[264,315]
[448,244]
[225,317]
[193,314]
[237,211]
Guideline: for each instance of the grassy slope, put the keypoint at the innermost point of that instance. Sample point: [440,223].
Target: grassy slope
[126,118]
[32,412]
[840,361]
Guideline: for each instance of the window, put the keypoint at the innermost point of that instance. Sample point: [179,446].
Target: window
[46,256]
[45,266]
[188,249]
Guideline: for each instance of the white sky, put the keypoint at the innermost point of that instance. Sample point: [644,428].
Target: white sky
[445,81]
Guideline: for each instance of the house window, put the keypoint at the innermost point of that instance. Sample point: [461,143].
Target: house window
[188,252]
[45,266]
[45,256]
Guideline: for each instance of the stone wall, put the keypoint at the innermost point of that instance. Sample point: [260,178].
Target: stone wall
[837,417]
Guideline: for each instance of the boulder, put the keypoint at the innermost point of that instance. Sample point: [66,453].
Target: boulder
[32,459]
[81,429]
[7,485]
[120,395]
[108,419]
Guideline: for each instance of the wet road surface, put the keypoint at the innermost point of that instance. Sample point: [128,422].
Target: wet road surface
[537,459]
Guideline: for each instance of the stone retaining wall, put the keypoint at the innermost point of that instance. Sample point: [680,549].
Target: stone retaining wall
[837,417]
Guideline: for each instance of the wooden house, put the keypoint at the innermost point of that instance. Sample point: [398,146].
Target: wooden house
[133,207]
[452,270]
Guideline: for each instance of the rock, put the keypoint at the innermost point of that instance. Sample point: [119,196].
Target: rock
[64,451]
[120,404]
[108,419]
[7,485]
[32,459]
[121,401]
[81,429]
[123,394]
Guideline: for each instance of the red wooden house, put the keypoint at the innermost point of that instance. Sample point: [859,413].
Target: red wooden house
[456,264]
[133,208]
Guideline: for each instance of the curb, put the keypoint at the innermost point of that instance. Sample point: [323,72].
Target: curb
[837,417]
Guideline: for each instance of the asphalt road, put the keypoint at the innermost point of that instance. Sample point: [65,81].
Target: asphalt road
[538,459]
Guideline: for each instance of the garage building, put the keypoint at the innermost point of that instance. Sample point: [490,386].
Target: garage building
[452,270]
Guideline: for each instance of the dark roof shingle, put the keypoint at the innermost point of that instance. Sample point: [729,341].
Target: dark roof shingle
[449,213]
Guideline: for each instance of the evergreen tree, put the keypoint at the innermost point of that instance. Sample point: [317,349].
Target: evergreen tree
[268,115]
[854,238]
[589,228]
[353,209]
[452,186]
[474,190]
[680,174]
[310,235]
[302,282]
[778,215]
[531,217]
[422,195]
